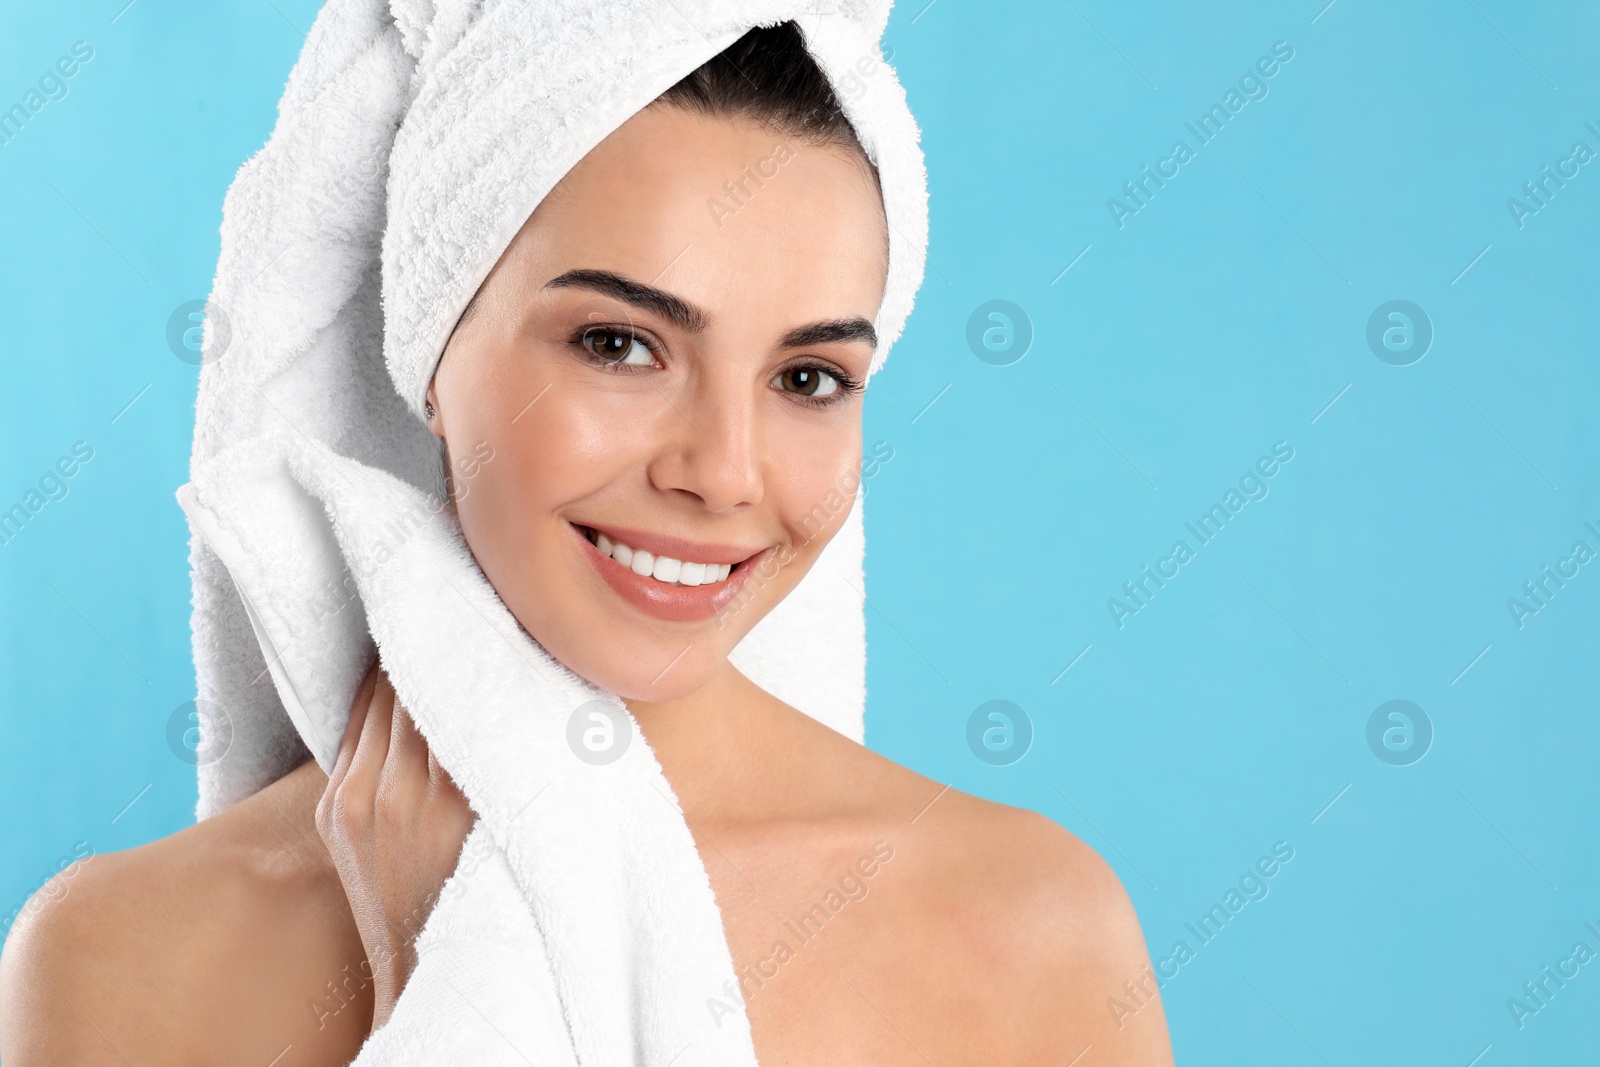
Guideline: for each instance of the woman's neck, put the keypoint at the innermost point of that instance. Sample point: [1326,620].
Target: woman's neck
[718,745]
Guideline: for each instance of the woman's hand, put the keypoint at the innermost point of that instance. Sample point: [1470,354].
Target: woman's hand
[394,823]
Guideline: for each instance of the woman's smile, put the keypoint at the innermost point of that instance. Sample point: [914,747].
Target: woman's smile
[693,584]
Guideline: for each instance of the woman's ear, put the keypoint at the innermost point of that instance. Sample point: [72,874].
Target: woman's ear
[430,408]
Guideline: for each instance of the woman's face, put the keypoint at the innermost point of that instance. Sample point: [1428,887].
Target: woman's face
[670,352]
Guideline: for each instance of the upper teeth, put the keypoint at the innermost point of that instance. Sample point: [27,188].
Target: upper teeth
[661,568]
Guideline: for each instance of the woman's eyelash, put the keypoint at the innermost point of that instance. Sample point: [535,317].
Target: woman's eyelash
[848,385]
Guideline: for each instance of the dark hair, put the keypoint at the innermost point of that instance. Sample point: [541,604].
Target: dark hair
[769,76]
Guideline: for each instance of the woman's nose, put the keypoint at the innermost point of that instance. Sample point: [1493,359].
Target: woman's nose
[709,447]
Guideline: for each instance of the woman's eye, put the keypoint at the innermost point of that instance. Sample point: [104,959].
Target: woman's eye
[807,381]
[617,347]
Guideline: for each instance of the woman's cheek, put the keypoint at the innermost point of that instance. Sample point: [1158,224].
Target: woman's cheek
[819,493]
[555,456]
[595,435]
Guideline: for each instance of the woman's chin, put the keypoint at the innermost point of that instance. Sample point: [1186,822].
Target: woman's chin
[647,672]
[634,687]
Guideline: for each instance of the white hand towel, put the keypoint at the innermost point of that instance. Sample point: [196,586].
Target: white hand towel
[413,140]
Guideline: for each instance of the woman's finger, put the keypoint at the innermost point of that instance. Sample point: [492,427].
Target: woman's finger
[405,773]
[438,777]
[366,769]
[352,728]
[450,814]
[408,751]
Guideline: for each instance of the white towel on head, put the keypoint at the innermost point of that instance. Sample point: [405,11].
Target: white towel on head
[413,140]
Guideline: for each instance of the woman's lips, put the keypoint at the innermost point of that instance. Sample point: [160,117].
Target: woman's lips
[673,603]
[675,547]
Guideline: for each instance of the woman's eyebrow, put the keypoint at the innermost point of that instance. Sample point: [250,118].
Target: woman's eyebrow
[688,317]
[675,310]
[833,331]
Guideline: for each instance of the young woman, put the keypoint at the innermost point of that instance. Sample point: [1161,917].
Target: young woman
[700,379]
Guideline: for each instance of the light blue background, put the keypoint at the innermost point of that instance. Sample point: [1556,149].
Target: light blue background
[1224,316]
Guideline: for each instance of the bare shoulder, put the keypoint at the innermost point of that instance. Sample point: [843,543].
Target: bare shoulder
[212,944]
[89,963]
[1064,933]
[1039,922]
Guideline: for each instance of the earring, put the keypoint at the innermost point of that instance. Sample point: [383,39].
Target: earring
[427,406]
